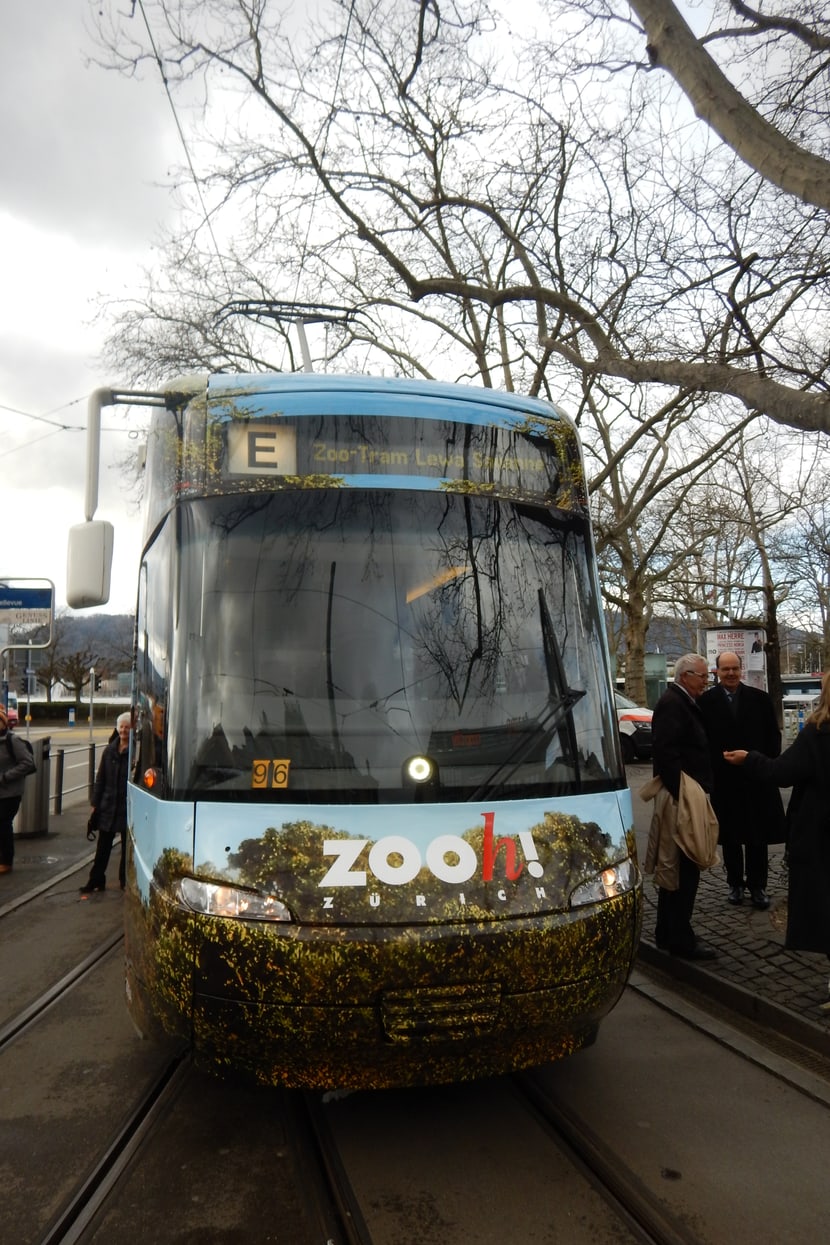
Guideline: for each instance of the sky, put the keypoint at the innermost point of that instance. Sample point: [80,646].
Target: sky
[83,200]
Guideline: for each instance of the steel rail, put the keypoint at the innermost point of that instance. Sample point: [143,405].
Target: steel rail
[31,1014]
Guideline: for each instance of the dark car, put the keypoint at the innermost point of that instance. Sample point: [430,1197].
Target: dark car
[635,729]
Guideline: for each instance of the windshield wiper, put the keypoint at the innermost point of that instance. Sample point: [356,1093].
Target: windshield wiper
[559,717]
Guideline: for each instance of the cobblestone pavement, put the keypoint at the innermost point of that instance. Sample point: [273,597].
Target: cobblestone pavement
[782,989]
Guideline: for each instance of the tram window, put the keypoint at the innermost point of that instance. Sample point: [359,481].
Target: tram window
[348,636]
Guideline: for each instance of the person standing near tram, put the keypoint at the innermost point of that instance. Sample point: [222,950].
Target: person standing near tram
[680,755]
[750,813]
[15,763]
[805,766]
[109,805]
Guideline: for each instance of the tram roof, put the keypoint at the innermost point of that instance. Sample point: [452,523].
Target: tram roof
[225,386]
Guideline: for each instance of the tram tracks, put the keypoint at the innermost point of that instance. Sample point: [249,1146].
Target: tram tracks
[30,1014]
[87,1201]
[331,1200]
[339,1217]
[164,1145]
[647,1219]
[328,1141]
[656,1129]
[44,887]
[635,1214]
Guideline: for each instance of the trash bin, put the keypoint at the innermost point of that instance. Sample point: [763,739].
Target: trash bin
[33,815]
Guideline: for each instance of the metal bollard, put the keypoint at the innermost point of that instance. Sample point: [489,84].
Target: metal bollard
[59,782]
[91,775]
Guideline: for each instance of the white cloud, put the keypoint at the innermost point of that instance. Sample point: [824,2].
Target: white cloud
[81,145]
[57,283]
[41,551]
[81,205]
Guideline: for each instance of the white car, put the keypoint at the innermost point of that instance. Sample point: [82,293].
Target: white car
[635,729]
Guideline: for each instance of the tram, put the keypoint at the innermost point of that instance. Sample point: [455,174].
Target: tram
[379,829]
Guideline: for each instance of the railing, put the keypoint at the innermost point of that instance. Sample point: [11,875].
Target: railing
[64,772]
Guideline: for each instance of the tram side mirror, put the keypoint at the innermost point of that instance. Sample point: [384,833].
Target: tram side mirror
[89,564]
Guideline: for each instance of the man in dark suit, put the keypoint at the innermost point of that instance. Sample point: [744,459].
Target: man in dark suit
[750,813]
[680,744]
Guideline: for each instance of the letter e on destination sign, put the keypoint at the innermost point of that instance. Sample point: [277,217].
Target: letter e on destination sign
[257,449]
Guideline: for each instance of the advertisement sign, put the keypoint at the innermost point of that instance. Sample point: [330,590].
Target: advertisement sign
[749,643]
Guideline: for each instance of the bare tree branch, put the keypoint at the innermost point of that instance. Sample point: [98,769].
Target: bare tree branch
[673,46]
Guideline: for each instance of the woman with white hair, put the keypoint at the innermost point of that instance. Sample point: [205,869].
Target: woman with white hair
[109,805]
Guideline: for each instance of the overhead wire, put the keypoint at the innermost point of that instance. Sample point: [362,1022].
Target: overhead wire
[62,427]
[41,419]
[197,187]
[53,425]
[183,140]
[15,449]
[325,135]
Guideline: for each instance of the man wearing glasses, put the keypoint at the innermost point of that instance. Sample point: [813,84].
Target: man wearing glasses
[680,745]
[750,813]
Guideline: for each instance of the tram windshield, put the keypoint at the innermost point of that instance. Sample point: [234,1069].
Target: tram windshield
[308,646]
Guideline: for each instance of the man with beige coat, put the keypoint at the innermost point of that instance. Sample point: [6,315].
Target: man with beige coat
[680,746]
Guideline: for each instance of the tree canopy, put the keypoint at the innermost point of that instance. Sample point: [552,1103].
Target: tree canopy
[528,211]
[621,208]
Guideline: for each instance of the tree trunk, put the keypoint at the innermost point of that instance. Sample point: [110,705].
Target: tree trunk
[773,652]
[635,646]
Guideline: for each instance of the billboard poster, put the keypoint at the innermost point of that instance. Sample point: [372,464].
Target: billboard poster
[748,643]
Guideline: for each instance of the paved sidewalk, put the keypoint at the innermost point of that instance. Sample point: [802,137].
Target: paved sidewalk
[780,988]
[753,972]
[39,857]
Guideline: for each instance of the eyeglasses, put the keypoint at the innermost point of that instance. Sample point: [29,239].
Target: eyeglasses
[698,674]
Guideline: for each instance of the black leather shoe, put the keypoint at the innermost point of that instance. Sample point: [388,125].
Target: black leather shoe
[700,951]
[736,894]
[90,889]
[760,899]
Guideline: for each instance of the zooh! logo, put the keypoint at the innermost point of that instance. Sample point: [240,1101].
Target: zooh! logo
[396,860]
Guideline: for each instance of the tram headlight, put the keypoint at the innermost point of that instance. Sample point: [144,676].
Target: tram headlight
[420,770]
[211,899]
[615,880]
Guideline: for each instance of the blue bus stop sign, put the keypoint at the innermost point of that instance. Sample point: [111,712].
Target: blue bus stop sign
[25,607]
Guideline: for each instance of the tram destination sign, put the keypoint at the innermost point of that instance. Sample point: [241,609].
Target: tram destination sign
[486,459]
[25,607]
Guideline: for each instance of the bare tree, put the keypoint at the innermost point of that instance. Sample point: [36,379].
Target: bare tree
[797,47]
[74,670]
[394,163]
[517,220]
[802,552]
[638,495]
[48,670]
[737,523]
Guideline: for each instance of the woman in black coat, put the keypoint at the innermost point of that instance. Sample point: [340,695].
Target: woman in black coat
[109,805]
[805,767]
